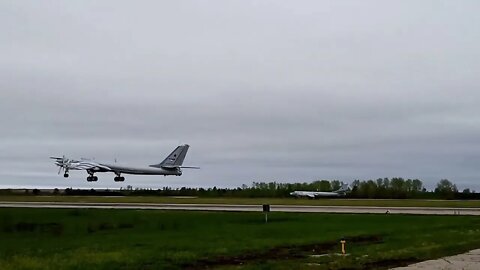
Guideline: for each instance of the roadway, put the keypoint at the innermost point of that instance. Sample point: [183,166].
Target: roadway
[466,261]
[250,208]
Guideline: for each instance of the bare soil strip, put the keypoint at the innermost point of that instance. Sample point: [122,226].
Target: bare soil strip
[279,253]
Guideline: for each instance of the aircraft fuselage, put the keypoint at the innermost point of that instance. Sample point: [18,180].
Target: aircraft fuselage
[143,170]
[315,194]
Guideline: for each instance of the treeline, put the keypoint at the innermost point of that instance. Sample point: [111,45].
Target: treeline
[382,188]
[399,188]
[256,190]
[385,188]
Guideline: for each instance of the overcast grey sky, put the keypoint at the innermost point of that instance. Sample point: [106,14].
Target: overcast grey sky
[261,90]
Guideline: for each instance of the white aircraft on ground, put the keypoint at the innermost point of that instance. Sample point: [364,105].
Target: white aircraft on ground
[317,194]
[172,165]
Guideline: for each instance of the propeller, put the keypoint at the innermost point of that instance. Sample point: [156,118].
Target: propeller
[63,163]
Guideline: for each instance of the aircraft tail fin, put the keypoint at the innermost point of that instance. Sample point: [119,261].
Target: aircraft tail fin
[342,189]
[175,159]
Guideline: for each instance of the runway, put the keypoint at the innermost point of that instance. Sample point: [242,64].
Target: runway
[250,208]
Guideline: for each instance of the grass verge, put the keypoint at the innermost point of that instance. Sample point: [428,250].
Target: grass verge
[143,239]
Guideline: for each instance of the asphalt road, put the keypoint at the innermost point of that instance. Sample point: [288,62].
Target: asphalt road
[251,208]
[466,261]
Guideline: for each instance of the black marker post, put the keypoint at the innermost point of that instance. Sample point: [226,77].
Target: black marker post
[266,209]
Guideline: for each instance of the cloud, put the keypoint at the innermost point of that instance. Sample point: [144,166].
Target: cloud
[261,90]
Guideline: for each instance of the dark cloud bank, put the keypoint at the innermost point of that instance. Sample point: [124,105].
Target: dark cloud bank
[261,90]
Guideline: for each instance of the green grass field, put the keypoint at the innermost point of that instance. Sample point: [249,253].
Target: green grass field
[253,201]
[148,239]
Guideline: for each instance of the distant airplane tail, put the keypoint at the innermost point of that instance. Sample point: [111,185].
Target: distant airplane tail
[342,189]
[175,159]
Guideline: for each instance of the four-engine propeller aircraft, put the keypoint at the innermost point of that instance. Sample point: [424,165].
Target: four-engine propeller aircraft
[317,194]
[172,165]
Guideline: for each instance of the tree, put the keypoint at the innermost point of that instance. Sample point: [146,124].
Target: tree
[417,185]
[399,188]
[335,184]
[446,188]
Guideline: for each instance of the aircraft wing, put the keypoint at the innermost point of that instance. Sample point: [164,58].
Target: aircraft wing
[176,166]
[89,165]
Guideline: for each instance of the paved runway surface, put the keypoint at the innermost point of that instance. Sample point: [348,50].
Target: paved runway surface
[252,208]
[467,261]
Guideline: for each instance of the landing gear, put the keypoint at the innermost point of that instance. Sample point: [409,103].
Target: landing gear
[92,178]
[118,178]
[65,175]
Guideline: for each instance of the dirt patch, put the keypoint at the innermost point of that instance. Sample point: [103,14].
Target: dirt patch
[279,253]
